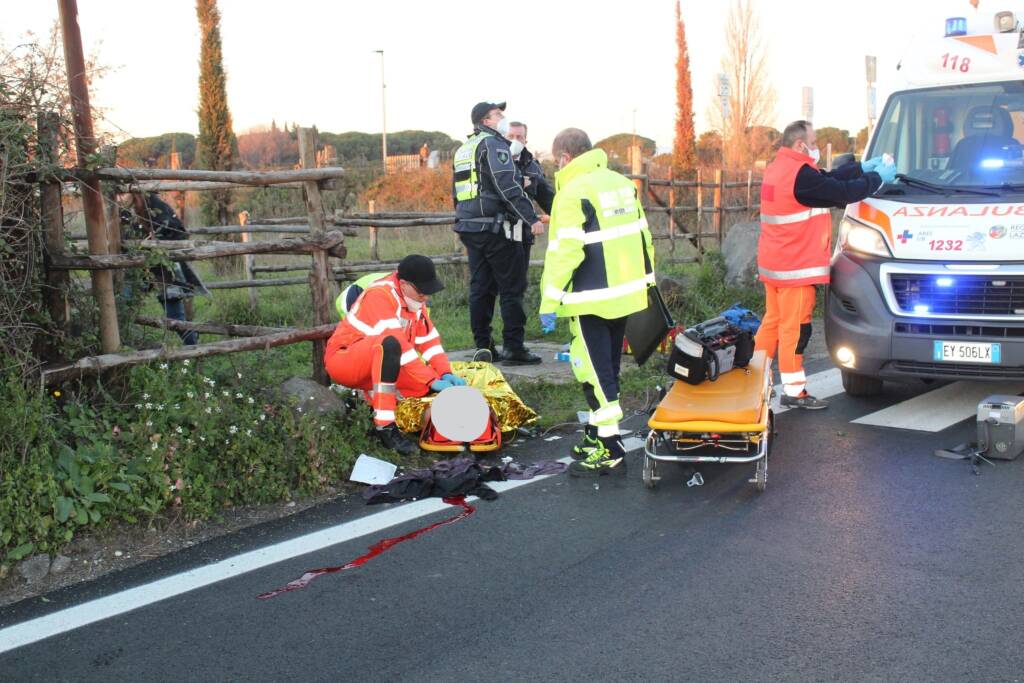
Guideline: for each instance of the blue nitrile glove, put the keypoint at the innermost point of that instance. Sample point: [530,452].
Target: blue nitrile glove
[440,385]
[547,322]
[455,380]
[871,164]
[887,171]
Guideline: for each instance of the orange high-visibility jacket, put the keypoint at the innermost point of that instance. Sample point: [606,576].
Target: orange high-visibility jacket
[381,310]
[795,244]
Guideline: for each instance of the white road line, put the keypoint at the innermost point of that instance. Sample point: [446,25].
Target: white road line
[938,409]
[34,630]
[821,384]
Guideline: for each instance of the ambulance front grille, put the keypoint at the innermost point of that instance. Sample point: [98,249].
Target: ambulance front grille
[958,295]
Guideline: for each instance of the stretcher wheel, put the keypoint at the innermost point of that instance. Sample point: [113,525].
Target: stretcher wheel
[650,474]
[761,472]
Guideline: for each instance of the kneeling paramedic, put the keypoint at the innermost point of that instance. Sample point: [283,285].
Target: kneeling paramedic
[597,268]
[387,345]
[794,249]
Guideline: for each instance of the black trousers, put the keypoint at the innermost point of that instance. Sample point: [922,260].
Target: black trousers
[603,339]
[496,271]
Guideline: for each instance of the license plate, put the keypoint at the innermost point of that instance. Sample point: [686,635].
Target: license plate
[966,352]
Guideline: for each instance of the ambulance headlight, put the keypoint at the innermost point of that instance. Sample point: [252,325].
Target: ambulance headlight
[857,237]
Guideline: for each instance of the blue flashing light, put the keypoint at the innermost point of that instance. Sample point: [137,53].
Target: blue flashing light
[992,163]
[956,26]
[944,282]
[920,308]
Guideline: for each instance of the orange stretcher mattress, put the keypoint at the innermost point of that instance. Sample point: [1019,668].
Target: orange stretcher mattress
[736,402]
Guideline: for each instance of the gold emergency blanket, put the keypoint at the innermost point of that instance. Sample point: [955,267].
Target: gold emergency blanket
[509,409]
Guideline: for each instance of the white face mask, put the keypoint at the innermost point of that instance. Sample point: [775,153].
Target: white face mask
[814,154]
[516,147]
[412,303]
[502,127]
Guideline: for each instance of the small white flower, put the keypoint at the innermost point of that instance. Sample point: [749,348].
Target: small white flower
[217,409]
[299,409]
[184,371]
[149,406]
[238,375]
[233,429]
[177,406]
[248,432]
[225,393]
[189,394]
[149,423]
[186,362]
[238,395]
[163,366]
[263,417]
[138,406]
[226,442]
[322,428]
[206,394]
[154,446]
[179,429]
[160,407]
[251,400]
[209,410]
[145,397]
[202,438]
[188,441]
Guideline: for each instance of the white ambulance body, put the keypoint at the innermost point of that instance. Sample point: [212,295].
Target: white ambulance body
[928,274]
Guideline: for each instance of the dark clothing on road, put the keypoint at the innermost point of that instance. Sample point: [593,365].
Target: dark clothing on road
[834,189]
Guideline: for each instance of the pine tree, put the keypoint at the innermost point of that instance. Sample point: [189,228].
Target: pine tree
[217,147]
[684,154]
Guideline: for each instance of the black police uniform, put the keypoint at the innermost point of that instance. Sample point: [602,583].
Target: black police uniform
[495,262]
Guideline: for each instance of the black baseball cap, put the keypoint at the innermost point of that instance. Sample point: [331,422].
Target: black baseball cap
[420,271]
[481,109]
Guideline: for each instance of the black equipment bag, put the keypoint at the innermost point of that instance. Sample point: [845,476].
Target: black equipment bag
[705,351]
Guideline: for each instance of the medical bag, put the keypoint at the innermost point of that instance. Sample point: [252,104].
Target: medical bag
[705,351]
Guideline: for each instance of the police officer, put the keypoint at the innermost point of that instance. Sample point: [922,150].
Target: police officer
[536,184]
[597,268]
[489,202]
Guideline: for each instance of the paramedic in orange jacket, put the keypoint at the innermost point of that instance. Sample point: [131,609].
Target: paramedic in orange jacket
[793,251]
[387,345]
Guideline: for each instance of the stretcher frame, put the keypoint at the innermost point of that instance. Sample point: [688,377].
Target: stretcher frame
[690,441]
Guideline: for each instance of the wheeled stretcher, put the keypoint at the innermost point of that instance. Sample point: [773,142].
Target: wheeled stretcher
[726,421]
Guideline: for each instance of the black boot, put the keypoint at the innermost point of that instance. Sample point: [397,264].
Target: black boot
[391,437]
[520,356]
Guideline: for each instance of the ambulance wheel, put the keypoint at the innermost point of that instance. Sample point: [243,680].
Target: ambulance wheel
[861,385]
[650,474]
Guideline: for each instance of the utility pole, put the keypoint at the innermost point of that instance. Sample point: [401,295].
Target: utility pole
[383,113]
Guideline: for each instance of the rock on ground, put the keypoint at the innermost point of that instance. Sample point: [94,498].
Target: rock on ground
[34,568]
[311,397]
[60,564]
[739,249]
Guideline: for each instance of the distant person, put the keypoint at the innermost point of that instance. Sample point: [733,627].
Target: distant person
[424,153]
[597,268]
[175,284]
[794,249]
[386,344]
[489,200]
[536,184]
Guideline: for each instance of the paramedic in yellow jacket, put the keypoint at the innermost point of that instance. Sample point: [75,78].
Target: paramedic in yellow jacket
[598,266]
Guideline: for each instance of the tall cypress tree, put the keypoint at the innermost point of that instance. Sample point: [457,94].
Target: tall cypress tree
[684,152]
[217,147]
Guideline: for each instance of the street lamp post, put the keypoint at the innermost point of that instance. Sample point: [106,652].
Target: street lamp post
[383,114]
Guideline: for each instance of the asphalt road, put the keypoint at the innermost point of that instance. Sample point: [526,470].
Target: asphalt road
[866,559]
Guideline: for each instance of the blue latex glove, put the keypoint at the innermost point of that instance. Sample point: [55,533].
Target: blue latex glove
[871,164]
[547,322]
[440,385]
[455,380]
[887,171]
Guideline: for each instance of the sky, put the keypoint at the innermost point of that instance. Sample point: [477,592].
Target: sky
[558,63]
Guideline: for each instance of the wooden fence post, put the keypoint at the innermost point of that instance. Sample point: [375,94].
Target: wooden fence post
[92,192]
[700,215]
[250,261]
[57,281]
[109,154]
[320,275]
[719,212]
[671,210]
[374,255]
[179,197]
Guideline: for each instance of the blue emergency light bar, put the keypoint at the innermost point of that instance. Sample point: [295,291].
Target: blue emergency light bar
[944,282]
[956,26]
[920,308]
[992,163]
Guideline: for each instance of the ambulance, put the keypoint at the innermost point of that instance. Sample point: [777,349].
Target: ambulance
[928,274]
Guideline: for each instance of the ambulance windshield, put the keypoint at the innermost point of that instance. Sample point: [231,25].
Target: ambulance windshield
[956,136]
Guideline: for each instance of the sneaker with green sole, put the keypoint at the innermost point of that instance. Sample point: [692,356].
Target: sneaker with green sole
[599,462]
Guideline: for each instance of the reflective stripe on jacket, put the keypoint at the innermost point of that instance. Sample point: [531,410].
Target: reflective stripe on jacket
[795,243]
